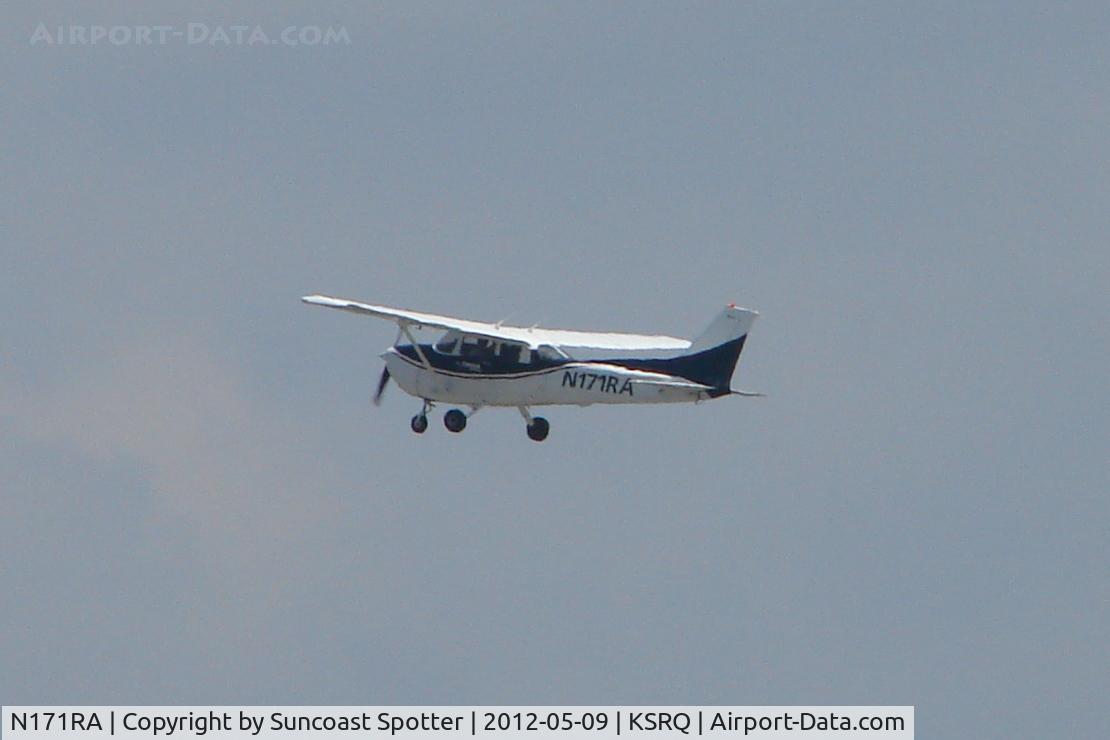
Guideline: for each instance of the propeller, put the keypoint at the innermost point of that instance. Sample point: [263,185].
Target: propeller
[381,386]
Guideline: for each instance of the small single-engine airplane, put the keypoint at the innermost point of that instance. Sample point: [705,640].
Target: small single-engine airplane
[476,364]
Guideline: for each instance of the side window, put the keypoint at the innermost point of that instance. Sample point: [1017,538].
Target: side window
[547,353]
[510,353]
[477,348]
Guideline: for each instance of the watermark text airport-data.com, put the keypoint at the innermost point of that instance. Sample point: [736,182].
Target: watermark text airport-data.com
[189,34]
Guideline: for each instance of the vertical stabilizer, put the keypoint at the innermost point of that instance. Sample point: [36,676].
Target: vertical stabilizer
[730,324]
[712,357]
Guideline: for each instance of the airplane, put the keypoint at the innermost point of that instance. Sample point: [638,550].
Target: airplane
[478,364]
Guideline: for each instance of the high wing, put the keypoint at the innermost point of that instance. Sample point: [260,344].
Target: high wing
[531,336]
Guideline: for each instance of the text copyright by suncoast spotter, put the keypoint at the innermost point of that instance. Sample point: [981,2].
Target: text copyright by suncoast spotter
[413,722]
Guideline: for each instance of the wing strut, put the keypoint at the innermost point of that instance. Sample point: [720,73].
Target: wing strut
[416,346]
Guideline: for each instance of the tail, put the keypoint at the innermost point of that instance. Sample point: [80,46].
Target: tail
[712,357]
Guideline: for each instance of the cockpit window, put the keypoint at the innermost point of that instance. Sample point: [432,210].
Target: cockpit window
[447,345]
[510,353]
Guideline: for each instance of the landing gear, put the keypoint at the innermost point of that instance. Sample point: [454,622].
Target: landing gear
[537,425]
[454,420]
[538,429]
[419,422]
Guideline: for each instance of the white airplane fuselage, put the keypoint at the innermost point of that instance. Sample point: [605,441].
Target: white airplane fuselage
[576,383]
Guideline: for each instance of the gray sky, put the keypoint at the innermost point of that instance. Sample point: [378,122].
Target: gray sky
[201,506]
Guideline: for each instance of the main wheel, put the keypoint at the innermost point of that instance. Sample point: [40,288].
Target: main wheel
[419,423]
[454,420]
[538,429]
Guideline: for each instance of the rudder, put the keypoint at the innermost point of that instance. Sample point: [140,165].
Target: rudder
[730,324]
[712,357]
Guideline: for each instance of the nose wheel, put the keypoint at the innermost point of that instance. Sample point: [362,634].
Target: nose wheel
[419,422]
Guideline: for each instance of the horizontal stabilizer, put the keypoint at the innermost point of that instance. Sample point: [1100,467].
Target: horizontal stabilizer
[671,384]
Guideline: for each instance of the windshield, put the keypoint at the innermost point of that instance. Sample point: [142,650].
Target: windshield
[447,344]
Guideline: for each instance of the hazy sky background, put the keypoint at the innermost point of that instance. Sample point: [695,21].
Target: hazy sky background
[201,506]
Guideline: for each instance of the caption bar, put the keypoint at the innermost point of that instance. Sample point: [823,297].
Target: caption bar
[416,723]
